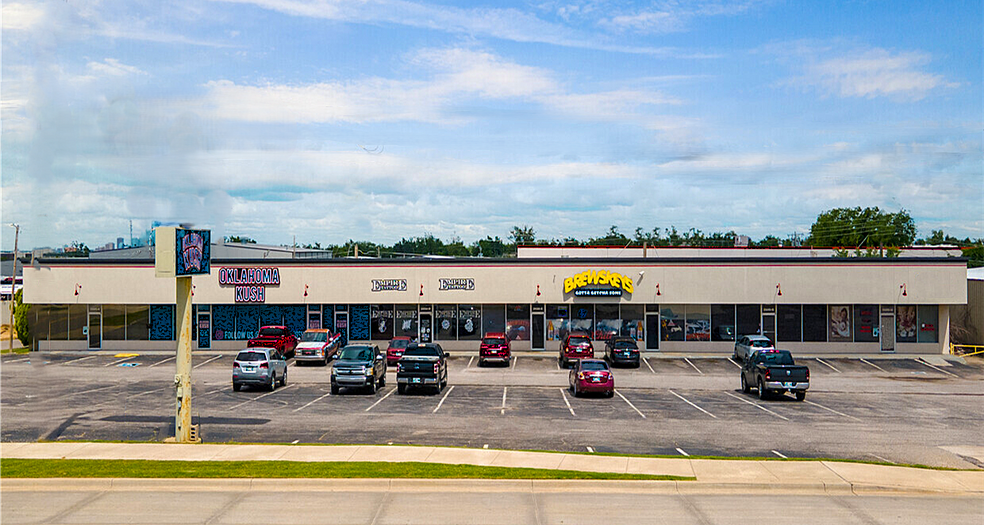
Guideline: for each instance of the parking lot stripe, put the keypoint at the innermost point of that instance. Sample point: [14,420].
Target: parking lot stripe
[148,392]
[780,416]
[207,362]
[591,450]
[81,359]
[693,365]
[446,394]
[381,399]
[312,402]
[120,361]
[566,402]
[685,400]
[514,361]
[646,360]
[818,405]
[9,361]
[470,359]
[938,369]
[502,410]
[780,455]
[865,361]
[881,458]
[734,362]
[630,404]
[261,396]
[828,365]
[680,450]
[162,361]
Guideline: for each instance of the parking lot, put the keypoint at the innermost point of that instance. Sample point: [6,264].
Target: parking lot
[902,410]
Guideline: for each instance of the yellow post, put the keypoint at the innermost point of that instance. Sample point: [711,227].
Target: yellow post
[182,373]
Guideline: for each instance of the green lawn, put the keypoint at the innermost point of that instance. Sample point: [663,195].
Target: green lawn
[99,468]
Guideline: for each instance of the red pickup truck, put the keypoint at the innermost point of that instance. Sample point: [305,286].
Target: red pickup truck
[279,337]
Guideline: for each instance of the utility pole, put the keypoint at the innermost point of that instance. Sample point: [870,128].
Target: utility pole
[13,284]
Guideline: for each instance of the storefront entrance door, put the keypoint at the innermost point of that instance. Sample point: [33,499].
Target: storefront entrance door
[425,328]
[204,330]
[314,320]
[887,333]
[341,325]
[537,327]
[95,330]
[652,331]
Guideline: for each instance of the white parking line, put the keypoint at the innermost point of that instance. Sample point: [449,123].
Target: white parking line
[646,360]
[780,455]
[734,362]
[9,361]
[207,362]
[514,361]
[162,361]
[381,399]
[881,458]
[818,405]
[485,446]
[685,400]
[695,367]
[566,402]
[780,416]
[470,359]
[261,396]
[828,365]
[630,404]
[938,369]
[81,359]
[120,361]
[502,409]
[680,450]
[312,402]
[865,361]
[591,450]
[438,407]
[148,392]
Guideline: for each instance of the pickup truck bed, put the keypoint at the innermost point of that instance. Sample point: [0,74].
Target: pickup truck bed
[774,372]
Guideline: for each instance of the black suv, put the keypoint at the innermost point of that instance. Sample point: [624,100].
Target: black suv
[622,350]
[360,366]
[422,365]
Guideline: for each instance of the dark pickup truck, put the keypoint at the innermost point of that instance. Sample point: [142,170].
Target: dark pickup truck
[422,365]
[774,372]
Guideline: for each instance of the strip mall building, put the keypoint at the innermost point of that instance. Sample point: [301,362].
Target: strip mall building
[668,300]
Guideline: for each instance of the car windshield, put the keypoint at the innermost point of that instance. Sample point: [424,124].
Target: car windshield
[423,350]
[493,341]
[578,341]
[251,356]
[271,332]
[775,358]
[314,337]
[359,353]
[761,343]
[399,343]
[594,365]
[625,344]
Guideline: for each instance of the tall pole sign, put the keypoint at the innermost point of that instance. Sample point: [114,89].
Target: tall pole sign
[181,253]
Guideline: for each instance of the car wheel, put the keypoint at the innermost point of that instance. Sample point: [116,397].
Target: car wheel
[334,389]
[576,393]
[283,380]
[401,389]
[763,392]
[611,393]
[744,385]
[273,382]
[382,380]
[801,395]
[236,387]
[372,386]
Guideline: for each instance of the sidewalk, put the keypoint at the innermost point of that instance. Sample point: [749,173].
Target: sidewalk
[712,475]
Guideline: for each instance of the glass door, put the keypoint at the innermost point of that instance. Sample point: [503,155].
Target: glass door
[425,328]
[341,325]
[537,326]
[887,333]
[95,330]
[652,331]
[204,330]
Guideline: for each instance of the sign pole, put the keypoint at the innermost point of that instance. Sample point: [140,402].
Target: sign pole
[182,373]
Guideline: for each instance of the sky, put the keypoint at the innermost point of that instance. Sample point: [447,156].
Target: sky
[323,120]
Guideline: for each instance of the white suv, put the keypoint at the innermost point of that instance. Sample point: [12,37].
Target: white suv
[747,344]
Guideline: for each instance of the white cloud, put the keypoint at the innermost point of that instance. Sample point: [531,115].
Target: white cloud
[21,17]
[114,68]
[671,16]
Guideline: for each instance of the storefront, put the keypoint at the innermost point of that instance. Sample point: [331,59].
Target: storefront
[829,305]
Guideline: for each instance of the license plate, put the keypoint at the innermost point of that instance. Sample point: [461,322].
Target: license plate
[414,379]
[789,385]
[595,379]
[250,369]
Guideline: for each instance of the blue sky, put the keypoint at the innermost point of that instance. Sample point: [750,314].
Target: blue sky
[380,119]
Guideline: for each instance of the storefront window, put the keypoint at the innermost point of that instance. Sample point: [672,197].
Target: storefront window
[928,319]
[162,322]
[359,321]
[840,324]
[905,324]
[698,322]
[271,315]
[790,320]
[493,318]
[632,321]
[58,322]
[78,318]
[607,322]
[295,317]
[518,322]
[37,322]
[447,322]
[672,321]
[406,320]
[223,322]
[866,323]
[558,321]
[114,322]
[749,318]
[381,327]
[815,323]
[137,322]
[469,322]
[328,317]
[722,322]
[582,318]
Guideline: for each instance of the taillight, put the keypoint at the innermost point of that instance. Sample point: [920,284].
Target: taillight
[235,364]
[437,368]
[264,365]
[807,374]
[768,374]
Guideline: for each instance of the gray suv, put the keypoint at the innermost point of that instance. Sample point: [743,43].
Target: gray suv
[747,344]
[259,367]
[359,366]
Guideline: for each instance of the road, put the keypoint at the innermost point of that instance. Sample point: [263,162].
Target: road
[900,410]
[377,502]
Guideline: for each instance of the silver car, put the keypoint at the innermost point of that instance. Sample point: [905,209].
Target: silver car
[747,344]
[260,367]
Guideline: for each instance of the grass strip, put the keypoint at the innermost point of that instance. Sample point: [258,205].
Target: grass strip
[114,468]
[20,351]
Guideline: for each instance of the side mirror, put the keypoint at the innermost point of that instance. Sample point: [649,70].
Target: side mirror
[446,355]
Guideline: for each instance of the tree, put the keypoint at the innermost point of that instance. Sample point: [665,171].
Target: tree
[862,228]
[240,239]
[489,247]
[20,318]
[523,235]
